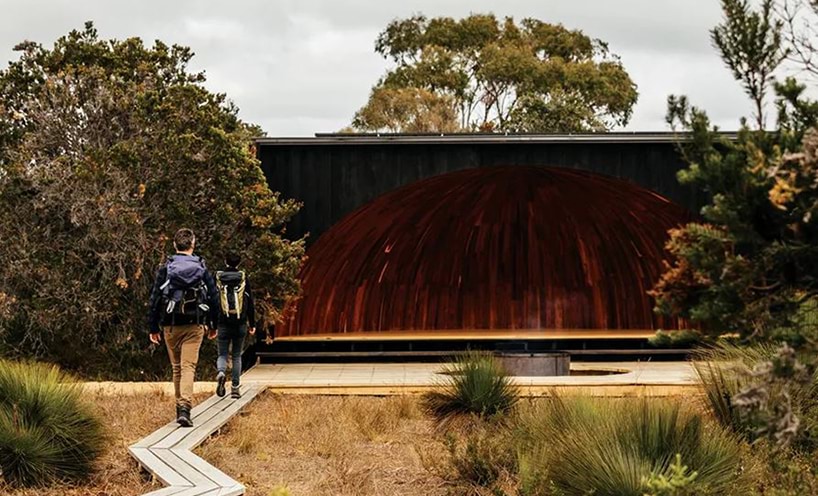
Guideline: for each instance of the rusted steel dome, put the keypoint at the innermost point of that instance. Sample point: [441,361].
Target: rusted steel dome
[491,248]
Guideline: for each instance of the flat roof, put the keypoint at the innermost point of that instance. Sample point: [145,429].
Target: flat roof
[480,138]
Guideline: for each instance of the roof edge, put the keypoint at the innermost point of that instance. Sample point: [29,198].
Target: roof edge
[479,138]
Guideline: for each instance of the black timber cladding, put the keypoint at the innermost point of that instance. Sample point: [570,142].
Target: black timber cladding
[335,174]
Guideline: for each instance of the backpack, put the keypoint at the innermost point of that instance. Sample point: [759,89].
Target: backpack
[184,294]
[232,289]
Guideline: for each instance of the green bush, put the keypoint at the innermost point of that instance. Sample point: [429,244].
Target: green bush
[475,384]
[676,339]
[578,446]
[47,433]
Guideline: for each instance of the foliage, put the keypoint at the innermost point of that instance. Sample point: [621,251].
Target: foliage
[676,484]
[484,458]
[109,147]
[498,76]
[750,44]
[761,392]
[279,491]
[47,433]
[580,445]
[751,263]
[408,110]
[786,473]
[475,384]
[676,339]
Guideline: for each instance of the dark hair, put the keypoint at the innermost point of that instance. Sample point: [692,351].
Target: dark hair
[232,259]
[183,239]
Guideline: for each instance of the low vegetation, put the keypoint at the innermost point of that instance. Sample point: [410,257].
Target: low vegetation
[580,445]
[47,432]
[475,384]
[113,472]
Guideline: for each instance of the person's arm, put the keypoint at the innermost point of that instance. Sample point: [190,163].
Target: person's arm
[213,299]
[251,307]
[154,328]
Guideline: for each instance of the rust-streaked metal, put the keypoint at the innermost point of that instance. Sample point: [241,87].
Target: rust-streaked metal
[491,248]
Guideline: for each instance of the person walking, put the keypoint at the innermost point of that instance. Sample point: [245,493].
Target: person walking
[182,302]
[236,317]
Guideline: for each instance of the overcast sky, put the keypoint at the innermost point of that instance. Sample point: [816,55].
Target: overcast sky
[301,67]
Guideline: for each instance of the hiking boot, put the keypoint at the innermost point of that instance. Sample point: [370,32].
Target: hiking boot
[184,417]
[235,393]
[220,391]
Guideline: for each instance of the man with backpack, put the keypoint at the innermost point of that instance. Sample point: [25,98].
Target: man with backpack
[182,302]
[236,317]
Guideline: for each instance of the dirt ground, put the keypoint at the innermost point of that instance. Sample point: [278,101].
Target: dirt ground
[314,446]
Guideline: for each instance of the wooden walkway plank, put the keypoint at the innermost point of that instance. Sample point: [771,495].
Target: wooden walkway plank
[168,491]
[187,471]
[199,491]
[205,430]
[166,452]
[171,427]
[214,474]
[177,435]
[158,468]
[227,491]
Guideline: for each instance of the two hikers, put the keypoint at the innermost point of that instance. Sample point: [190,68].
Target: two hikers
[184,301]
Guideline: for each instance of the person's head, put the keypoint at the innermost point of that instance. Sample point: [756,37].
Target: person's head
[232,259]
[184,241]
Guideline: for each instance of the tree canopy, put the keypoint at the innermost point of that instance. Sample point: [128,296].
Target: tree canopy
[751,264]
[106,148]
[481,73]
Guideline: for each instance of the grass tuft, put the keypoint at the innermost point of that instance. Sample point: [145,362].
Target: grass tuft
[475,384]
[584,445]
[47,433]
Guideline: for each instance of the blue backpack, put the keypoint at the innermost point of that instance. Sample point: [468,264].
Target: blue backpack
[184,292]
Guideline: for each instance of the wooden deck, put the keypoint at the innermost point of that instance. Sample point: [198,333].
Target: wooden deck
[167,452]
[466,335]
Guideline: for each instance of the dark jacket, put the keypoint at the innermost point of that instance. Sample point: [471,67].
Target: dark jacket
[154,304]
[249,306]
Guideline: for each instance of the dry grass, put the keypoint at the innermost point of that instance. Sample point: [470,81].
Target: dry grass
[126,420]
[313,445]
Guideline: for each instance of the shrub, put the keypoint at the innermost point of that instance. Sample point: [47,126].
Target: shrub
[584,445]
[475,384]
[677,484]
[676,339]
[726,370]
[46,432]
[483,457]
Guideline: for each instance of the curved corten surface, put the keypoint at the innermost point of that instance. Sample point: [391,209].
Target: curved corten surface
[491,248]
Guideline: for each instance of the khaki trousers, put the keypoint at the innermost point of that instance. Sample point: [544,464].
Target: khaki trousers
[183,342]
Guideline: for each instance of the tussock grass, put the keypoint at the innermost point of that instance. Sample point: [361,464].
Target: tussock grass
[47,432]
[475,384]
[579,445]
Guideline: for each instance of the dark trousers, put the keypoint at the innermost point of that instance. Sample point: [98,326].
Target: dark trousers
[231,335]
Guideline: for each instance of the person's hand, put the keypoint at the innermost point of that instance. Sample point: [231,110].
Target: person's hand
[252,331]
[211,334]
[155,337]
